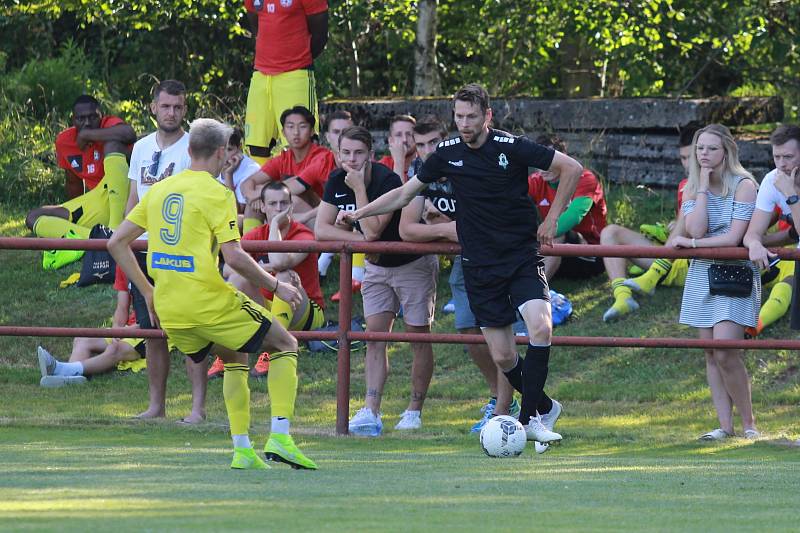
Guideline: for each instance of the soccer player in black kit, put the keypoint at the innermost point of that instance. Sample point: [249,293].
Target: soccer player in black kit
[500,238]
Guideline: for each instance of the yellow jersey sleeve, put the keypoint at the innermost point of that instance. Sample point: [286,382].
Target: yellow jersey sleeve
[223,222]
[138,214]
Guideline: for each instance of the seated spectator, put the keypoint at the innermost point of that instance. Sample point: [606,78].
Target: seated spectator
[580,223]
[238,167]
[93,153]
[296,268]
[304,166]
[431,217]
[779,190]
[391,281]
[718,202]
[91,355]
[402,151]
[667,272]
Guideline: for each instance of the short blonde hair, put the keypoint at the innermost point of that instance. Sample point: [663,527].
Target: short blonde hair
[206,135]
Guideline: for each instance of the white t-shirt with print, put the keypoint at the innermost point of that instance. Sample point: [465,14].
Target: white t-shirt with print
[246,168]
[171,160]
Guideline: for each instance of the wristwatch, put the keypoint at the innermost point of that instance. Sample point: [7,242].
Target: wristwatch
[793,199]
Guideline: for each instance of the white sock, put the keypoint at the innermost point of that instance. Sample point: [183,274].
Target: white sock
[241,441]
[324,262]
[280,425]
[68,369]
[358,273]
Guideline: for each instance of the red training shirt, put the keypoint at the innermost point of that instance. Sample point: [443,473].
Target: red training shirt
[588,185]
[88,163]
[313,170]
[121,285]
[388,162]
[307,269]
[283,43]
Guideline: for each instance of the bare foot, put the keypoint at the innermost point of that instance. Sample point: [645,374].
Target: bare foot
[151,413]
[193,418]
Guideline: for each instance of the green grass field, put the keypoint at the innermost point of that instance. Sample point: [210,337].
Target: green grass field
[72,459]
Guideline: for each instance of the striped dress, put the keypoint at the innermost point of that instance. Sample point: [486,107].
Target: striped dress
[699,307]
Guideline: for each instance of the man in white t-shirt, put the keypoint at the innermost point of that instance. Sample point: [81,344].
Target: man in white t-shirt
[156,157]
[238,167]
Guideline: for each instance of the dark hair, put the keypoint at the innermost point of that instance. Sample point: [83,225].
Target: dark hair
[552,141]
[428,124]
[275,186]
[474,94]
[357,133]
[785,133]
[86,99]
[298,110]
[686,136]
[339,114]
[171,87]
[402,118]
[236,137]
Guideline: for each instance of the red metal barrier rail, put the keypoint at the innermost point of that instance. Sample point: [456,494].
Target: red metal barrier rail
[344,335]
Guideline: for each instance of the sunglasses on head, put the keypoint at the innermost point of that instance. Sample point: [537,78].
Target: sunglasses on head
[153,168]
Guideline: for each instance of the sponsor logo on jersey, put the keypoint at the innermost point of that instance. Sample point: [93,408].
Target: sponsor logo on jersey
[459,163]
[337,195]
[75,162]
[503,161]
[178,263]
[544,203]
[504,139]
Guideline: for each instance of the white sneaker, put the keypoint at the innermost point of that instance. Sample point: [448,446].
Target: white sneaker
[409,420]
[53,382]
[549,420]
[752,434]
[365,423]
[717,434]
[47,363]
[540,448]
[535,430]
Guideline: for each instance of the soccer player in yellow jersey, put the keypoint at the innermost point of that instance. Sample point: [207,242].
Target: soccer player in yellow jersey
[190,217]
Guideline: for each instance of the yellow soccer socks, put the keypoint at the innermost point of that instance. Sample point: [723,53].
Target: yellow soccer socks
[623,301]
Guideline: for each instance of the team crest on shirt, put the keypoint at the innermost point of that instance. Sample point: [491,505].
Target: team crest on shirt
[258,4]
[544,203]
[502,161]
[286,3]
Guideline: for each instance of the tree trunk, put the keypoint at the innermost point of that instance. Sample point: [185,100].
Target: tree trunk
[426,72]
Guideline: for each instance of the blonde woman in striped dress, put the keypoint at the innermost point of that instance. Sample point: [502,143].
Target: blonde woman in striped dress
[718,202]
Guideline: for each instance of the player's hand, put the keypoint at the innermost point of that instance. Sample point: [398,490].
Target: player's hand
[398,148]
[785,182]
[355,177]
[547,230]
[679,241]
[345,219]
[289,294]
[232,163]
[151,310]
[705,177]
[255,204]
[760,256]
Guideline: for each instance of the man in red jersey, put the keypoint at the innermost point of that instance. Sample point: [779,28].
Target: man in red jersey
[289,34]
[304,166]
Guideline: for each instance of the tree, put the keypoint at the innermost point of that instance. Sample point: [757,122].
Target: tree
[426,69]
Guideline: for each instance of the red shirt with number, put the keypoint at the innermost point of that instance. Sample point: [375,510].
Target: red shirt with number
[283,43]
[87,164]
[593,222]
[307,269]
[313,170]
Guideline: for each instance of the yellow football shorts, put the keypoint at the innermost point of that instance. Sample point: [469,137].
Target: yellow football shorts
[242,329]
[313,317]
[271,95]
[677,274]
[92,208]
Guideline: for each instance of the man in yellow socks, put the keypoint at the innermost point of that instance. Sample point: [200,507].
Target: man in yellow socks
[93,154]
[289,36]
[190,218]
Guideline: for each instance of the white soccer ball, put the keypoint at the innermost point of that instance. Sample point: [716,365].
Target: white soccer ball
[503,436]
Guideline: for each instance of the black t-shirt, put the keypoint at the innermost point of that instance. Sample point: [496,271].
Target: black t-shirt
[383,180]
[496,219]
[439,193]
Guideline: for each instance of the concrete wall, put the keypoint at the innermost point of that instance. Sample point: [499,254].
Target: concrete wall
[626,140]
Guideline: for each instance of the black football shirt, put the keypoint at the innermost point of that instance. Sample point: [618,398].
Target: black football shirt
[496,220]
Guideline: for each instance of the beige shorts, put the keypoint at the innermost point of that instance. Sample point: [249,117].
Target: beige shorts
[412,285]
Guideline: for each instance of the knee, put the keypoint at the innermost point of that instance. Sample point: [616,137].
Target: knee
[32,216]
[541,333]
[506,359]
[609,234]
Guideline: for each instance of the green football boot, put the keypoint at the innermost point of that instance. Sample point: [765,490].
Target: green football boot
[281,448]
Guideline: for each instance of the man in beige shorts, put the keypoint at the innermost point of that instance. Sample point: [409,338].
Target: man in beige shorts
[392,281]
